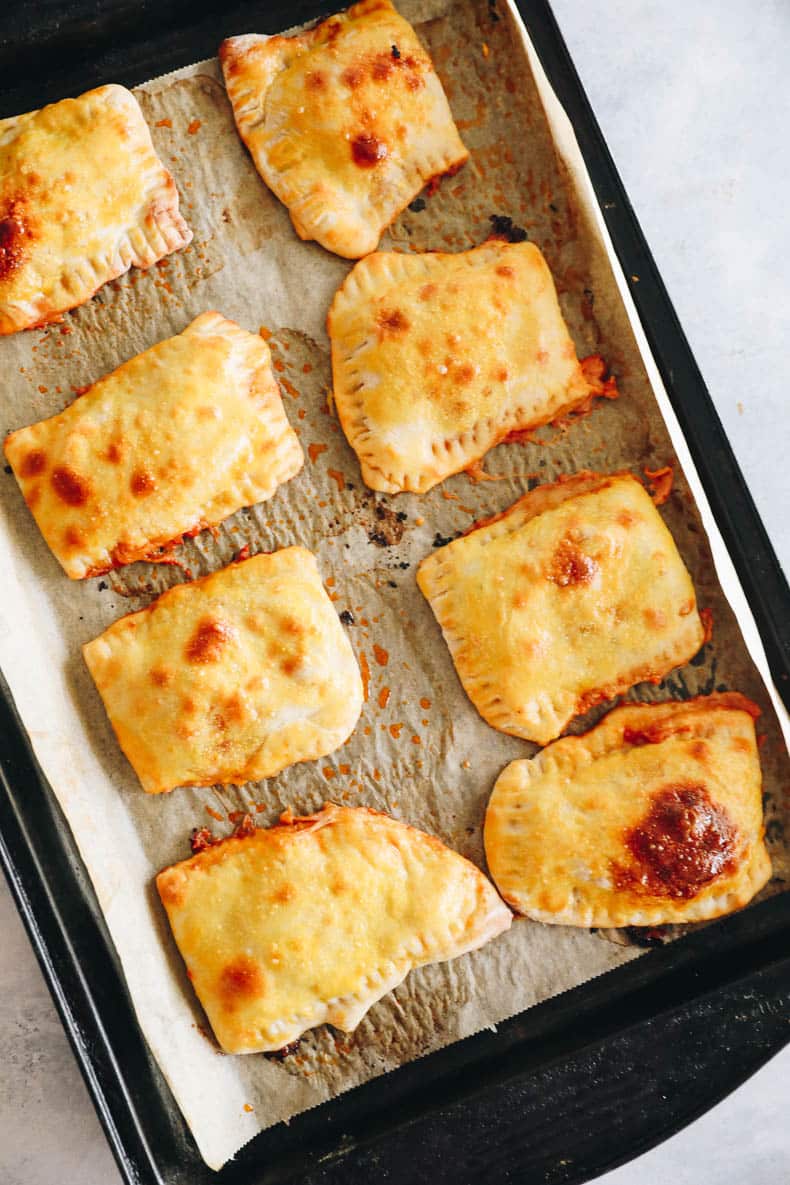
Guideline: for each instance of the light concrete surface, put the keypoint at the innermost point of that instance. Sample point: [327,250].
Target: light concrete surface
[693,99]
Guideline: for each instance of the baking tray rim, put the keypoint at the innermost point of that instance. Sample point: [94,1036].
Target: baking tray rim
[35,889]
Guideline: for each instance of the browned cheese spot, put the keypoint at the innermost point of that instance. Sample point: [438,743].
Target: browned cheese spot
[240,981]
[570,566]
[142,484]
[353,76]
[70,487]
[160,676]
[113,452]
[209,641]
[392,323]
[700,751]
[33,463]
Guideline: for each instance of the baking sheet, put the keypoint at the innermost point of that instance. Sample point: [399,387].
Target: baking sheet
[420,750]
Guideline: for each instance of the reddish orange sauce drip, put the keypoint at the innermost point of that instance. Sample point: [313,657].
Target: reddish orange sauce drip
[661,482]
[367,151]
[201,839]
[682,843]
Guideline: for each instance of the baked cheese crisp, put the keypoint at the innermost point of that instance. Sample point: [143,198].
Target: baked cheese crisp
[316,919]
[171,442]
[571,596]
[345,123]
[654,816]
[436,358]
[230,678]
[83,197]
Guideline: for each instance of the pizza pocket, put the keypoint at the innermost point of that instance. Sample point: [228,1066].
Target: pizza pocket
[345,123]
[438,357]
[83,197]
[171,442]
[230,678]
[569,597]
[654,816]
[316,919]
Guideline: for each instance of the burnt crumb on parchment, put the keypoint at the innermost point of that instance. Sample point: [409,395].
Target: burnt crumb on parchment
[443,540]
[389,526]
[503,227]
[647,936]
[418,205]
[493,15]
[103,585]
[347,617]
[7,469]
[279,1055]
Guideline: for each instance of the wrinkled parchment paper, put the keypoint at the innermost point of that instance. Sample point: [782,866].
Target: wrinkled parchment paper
[420,750]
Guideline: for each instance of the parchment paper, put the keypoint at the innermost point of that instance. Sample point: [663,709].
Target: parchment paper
[420,750]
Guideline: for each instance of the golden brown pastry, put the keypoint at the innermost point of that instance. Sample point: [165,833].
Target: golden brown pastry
[230,678]
[654,816]
[572,595]
[345,122]
[83,197]
[171,442]
[316,919]
[436,358]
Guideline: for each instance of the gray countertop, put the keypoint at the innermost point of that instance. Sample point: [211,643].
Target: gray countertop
[692,97]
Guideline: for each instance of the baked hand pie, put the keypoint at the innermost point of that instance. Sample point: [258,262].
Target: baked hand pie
[171,442]
[572,595]
[654,816]
[436,358]
[230,678]
[345,122]
[83,197]
[316,919]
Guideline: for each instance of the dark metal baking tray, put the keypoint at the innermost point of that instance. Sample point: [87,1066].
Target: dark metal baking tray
[559,1093]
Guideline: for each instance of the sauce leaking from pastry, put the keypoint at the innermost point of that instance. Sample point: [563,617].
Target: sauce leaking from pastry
[368,151]
[653,817]
[680,845]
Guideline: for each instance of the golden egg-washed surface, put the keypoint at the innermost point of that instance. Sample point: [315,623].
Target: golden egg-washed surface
[654,816]
[171,442]
[229,678]
[345,122]
[436,358]
[316,919]
[83,197]
[572,595]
